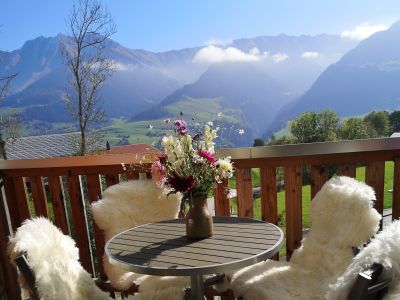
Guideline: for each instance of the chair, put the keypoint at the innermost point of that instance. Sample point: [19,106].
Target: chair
[342,217]
[374,271]
[127,205]
[368,285]
[48,264]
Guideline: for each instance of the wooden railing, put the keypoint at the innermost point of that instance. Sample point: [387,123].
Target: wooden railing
[62,188]
[320,158]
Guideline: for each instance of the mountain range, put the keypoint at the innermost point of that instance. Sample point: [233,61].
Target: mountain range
[257,83]
[259,75]
[364,79]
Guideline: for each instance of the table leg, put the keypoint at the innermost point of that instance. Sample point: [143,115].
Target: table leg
[197,285]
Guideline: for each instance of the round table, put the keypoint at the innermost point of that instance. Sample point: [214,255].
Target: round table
[162,248]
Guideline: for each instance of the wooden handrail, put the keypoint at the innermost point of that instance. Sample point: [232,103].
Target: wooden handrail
[62,187]
[74,164]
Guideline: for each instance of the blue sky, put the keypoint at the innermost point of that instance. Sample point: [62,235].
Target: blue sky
[175,24]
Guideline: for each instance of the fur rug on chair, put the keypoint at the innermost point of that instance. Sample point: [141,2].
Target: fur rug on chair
[131,204]
[342,217]
[383,249]
[53,258]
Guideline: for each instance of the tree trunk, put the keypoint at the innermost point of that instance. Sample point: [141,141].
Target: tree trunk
[83,143]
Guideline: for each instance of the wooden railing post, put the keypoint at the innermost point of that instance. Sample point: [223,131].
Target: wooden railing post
[375,177]
[9,274]
[293,206]
[269,197]
[221,200]
[39,196]
[396,190]
[244,190]
[319,175]
[347,170]
[16,200]
[79,220]
[269,201]
[94,193]
[57,199]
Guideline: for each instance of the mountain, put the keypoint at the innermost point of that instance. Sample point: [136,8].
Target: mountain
[365,79]
[259,88]
[274,71]
[240,87]
[41,80]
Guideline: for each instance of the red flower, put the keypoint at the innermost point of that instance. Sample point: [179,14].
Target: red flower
[163,158]
[182,185]
[208,156]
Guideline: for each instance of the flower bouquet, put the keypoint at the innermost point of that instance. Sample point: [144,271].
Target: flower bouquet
[189,167]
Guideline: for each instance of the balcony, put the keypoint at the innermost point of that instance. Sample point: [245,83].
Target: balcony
[62,188]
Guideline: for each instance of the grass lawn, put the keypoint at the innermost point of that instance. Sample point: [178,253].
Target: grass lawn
[306,196]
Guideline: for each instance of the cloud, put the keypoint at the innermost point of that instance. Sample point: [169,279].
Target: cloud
[279,57]
[124,67]
[214,54]
[363,31]
[310,54]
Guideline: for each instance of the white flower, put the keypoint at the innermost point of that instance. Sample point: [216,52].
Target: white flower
[210,123]
[173,147]
[150,127]
[219,114]
[209,134]
[241,131]
[224,168]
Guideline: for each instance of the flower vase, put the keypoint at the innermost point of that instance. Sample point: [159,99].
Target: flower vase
[199,223]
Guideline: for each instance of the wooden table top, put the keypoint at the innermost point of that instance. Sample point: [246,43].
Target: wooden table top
[162,248]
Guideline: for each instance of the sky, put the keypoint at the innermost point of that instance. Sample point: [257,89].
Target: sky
[175,24]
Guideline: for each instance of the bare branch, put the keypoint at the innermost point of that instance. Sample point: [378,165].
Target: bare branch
[90,27]
[5,84]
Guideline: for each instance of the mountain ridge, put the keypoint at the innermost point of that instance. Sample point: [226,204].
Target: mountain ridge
[364,79]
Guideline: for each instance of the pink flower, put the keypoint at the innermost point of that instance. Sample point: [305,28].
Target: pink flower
[208,156]
[181,127]
[158,172]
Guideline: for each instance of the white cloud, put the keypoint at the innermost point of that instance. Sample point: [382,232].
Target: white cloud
[310,54]
[279,57]
[124,67]
[214,54]
[363,31]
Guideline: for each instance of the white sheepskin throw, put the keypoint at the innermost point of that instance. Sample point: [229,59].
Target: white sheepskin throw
[342,216]
[131,204]
[53,258]
[383,249]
